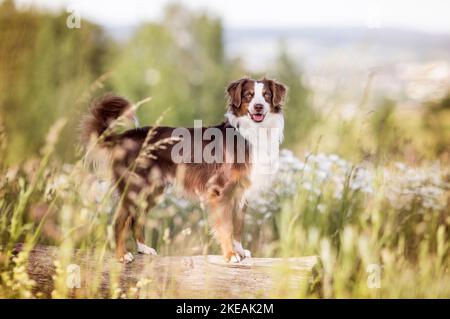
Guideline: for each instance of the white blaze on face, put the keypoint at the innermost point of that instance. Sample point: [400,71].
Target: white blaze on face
[264,137]
[258,98]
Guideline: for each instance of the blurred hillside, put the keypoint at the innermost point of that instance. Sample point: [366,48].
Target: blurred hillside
[409,65]
[44,68]
[349,89]
[47,69]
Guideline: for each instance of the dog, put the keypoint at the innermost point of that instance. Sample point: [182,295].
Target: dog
[142,163]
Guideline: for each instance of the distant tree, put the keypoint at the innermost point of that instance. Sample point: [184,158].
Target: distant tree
[44,69]
[436,122]
[300,116]
[179,63]
[388,136]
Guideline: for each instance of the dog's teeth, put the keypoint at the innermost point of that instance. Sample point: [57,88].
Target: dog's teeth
[247,253]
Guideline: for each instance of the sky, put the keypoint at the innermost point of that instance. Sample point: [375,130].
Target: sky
[422,15]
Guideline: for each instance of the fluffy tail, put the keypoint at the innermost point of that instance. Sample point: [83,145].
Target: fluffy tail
[102,112]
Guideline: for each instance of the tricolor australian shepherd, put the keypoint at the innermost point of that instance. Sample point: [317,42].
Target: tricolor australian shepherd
[142,161]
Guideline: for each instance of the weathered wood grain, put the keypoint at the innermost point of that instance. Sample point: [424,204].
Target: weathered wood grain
[178,277]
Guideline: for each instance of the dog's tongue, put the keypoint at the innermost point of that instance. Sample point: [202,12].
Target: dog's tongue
[258,117]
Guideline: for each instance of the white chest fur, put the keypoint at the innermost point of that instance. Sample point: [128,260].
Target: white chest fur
[264,139]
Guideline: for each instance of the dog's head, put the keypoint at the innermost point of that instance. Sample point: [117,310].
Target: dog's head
[255,99]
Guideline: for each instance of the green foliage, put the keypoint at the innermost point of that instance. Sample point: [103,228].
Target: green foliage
[44,67]
[48,72]
[396,220]
[180,64]
[437,125]
[298,106]
[385,130]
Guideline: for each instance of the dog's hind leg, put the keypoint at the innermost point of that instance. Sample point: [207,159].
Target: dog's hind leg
[139,225]
[121,228]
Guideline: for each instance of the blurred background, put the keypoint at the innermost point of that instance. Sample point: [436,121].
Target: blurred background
[364,176]
[368,80]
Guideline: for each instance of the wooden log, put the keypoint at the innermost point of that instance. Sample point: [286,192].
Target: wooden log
[173,276]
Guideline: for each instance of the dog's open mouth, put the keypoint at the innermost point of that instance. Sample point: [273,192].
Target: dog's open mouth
[257,117]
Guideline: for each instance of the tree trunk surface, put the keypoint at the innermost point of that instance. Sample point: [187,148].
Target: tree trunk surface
[87,275]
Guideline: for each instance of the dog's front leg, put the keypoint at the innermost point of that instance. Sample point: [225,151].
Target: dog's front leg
[222,213]
[139,236]
[238,225]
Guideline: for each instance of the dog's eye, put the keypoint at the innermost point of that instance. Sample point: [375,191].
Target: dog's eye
[267,95]
[248,95]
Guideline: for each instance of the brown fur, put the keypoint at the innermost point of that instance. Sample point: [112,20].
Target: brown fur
[102,112]
[241,93]
[219,185]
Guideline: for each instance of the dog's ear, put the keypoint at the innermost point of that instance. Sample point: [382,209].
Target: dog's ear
[279,91]
[234,91]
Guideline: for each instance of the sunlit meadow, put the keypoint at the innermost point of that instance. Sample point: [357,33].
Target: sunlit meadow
[360,190]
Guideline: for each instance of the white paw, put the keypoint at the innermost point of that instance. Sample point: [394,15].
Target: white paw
[127,258]
[243,253]
[144,249]
[235,259]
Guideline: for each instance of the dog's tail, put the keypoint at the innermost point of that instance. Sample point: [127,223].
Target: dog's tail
[103,112]
[97,129]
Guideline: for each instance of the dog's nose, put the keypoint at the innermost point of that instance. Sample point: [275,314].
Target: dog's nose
[259,108]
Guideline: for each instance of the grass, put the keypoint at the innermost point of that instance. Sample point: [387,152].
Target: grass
[361,219]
